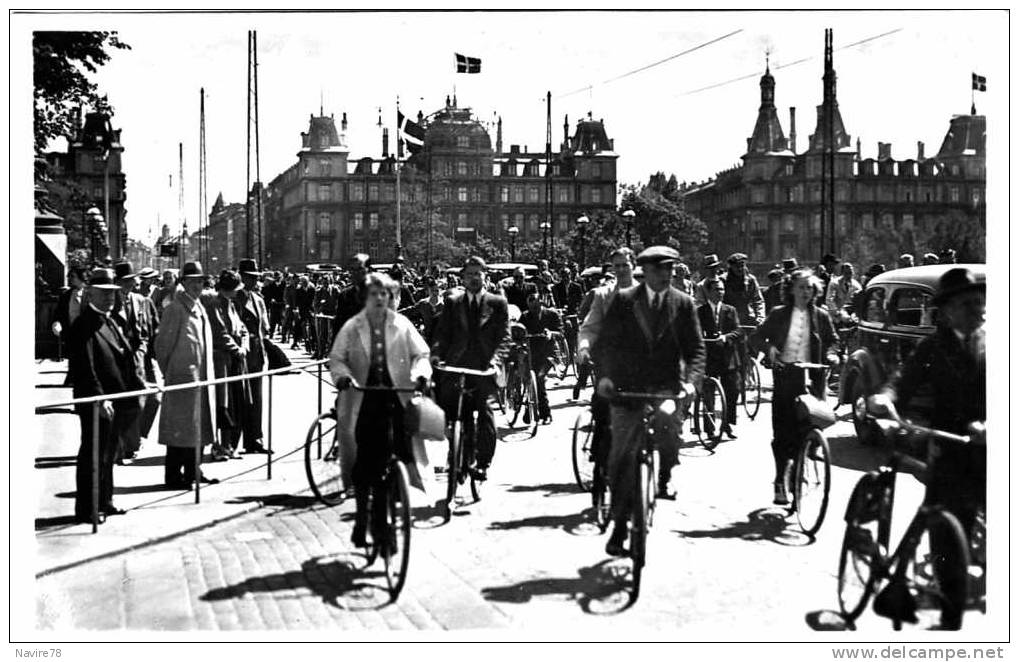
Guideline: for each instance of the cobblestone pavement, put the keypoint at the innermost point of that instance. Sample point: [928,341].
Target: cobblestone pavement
[723,564]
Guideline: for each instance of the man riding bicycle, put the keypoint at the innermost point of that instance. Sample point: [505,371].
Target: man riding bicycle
[472,330]
[949,367]
[541,320]
[650,342]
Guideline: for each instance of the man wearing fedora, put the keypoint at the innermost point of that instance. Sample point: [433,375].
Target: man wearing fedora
[252,310]
[183,349]
[650,342]
[949,368]
[137,318]
[103,363]
[709,271]
[229,355]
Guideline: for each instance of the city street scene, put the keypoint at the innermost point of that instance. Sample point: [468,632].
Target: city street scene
[550,326]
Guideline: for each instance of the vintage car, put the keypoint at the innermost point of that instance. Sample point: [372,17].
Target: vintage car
[895,314]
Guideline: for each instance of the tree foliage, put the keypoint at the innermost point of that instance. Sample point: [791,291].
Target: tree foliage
[62,63]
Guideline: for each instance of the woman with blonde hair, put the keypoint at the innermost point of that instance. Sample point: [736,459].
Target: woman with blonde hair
[376,347]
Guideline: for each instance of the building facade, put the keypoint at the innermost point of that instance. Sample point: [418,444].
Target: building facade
[772,205]
[328,205]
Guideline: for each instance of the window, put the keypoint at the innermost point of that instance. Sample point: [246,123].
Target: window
[373,192]
[461,167]
[503,194]
[927,195]
[759,223]
[447,193]
[910,306]
[518,194]
[595,170]
[358,221]
[357,192]
[463,141]
[909,196]
[907,221]
[373,220]
[532,194]
[758,195]
[596,195]
[325,167]
[504,220]
[518,220]
[757,252]
[887,220]
[562,224]
[788,223]
[461,221]
[97,192]
[556,169]
[389,192]
[953,194]
[788,194]
[815,223]
[564,194]
[323,192]
[789,169]
[533,222]
[461,193]
[447,168]
[867,221]
[874,306]
[843,224]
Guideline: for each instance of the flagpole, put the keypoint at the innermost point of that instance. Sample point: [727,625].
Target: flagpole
[399,248]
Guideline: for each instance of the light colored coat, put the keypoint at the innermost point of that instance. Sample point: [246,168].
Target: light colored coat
[406,357]
[183,350]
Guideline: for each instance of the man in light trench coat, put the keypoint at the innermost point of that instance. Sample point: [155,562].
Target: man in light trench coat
[184,352]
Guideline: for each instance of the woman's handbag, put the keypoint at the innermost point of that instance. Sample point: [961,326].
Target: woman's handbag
[274,355]
[424,420]
[815,411]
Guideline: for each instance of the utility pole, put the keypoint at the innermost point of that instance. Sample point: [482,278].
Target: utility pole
[258,173]
[548,168]
[203,194]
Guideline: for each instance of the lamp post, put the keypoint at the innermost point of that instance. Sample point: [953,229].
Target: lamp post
[582,229]
[628,219]
[512,231]
[544,238]
[94,219]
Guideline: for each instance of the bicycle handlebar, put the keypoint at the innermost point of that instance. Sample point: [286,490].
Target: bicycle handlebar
[392,389]
[488,372]
[635,395]
[897,424]
[803,365]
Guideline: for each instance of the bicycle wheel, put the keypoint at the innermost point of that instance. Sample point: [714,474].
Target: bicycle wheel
[813,481]
[396,546]
[322,460]
[862,554]
[751,391]
[601,499]
[515,396]
[712,413]
[639,524]
[454,466]
[936,569]
[532,398]
[562,354]
[583,459]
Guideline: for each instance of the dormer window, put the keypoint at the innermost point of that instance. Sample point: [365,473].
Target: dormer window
[463,142]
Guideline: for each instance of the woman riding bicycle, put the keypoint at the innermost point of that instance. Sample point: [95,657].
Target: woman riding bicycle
[376,347]
[795,332]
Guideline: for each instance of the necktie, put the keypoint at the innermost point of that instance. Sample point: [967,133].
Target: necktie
[657,305]
[474,311]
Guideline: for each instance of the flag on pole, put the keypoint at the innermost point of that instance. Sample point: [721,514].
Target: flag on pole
[410,132]
[979,83]
[467,65]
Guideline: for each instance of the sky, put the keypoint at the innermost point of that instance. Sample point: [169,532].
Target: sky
[901,86]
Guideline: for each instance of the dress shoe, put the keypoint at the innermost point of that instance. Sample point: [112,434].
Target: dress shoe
[727,430]
[480,474]
[257,449]
[357,537]
[664,492]
[87,519]
[781,496]
[209,481]
[614,546]
[111,510]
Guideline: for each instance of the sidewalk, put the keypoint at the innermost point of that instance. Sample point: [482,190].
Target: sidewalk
[155,513]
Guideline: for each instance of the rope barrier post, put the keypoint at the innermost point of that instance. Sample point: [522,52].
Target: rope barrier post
[198,467]
[95,467]
[268,465]
[319,412]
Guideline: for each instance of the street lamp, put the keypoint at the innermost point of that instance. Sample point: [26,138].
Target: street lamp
[512,231]
[95,221]
[628,219]
[582,229]
[545,226]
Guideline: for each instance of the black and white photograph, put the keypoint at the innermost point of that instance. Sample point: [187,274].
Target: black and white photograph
[487,325]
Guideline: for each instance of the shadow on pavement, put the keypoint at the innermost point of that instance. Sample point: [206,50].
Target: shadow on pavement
[43,523]
[568,523]
[52,386]
[761,524]
[567,405]
[282,501]
[338,579]
[598,589]
[826,620]
[56,461]
[550,489]
[848,453]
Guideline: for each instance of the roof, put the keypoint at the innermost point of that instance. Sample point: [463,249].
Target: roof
[967,136]
[927,275]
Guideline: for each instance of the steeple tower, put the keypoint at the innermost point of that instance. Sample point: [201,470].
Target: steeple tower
[829,107]
[768,135]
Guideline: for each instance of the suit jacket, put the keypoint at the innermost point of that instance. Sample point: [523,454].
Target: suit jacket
[638,357]
[454,341]
[568,295]
[255,316]
[517,294]
[100,360]
[541,348]
[720,356]
[138,319]
[63,312]
[744,294]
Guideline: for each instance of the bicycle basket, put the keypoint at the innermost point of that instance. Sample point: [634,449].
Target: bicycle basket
[815,411]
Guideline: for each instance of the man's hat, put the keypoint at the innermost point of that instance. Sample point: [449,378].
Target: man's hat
[874,270]
[955,281]
[775,274]
[663,255]
[229,281]
[249,267]
[148,272]
[710,261]
[102,279]
[192,270]
[930,258]
[737,257]
[829,257]
[789,264]
[123,270]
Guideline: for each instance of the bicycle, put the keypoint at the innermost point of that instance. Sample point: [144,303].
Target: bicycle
[457,462]
[709,409]
[749,376]
[586,467]
[323,323]
[560,355]
[323,469]
[522,385]
[911,573]
[811,472]
[646,473]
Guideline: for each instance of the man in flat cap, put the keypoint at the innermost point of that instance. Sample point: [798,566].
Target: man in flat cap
[650,342]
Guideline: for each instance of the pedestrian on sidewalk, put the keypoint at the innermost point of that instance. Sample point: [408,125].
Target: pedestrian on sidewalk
[137,317]
[255,316]
[229,355]
[183,350]
[102,363]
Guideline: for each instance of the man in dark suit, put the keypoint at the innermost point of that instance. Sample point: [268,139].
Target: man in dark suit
[650,342]
[351,300]
[517,291]
[720,324]
[138,321]
[255,317]
[69,306]
[103,363]
[472,330]
[541,320]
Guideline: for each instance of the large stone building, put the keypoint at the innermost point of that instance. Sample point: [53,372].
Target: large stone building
[328,205]
[770,206]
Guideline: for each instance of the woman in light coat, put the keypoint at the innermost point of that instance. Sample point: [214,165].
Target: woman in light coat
[376,347]
[183,350]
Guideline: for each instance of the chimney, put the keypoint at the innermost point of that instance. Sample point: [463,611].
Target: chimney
[498,136]
[566,131]
[385,142]
[919,150]
[343,122]
[884,151]
[792,128]
[748,143]
[859,151]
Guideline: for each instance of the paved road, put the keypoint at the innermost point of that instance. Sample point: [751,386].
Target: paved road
[723,564]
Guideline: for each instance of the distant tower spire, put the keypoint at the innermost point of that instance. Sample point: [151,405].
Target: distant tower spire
[321,104]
